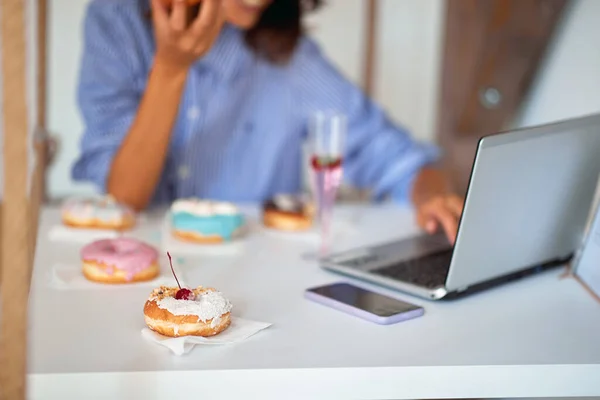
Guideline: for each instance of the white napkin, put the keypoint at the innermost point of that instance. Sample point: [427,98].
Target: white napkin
[181,248]
[239,330]
[67,277]
[62,233]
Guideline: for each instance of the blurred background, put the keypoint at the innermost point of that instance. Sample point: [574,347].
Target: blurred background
[449,70]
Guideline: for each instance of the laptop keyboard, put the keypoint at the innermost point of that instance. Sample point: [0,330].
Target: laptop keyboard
[428,271]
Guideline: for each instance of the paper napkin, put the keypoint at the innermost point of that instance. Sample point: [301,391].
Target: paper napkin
[67,277]
[61,233]
[239,330]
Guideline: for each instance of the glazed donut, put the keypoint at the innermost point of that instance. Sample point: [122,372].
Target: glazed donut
[288,212]
[121,260]
[204,221]
[98,213]
[207,314]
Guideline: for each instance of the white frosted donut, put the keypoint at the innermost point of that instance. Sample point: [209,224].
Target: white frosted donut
[208,314]
[98,213]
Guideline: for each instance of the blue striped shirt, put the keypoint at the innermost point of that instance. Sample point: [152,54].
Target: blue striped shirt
[242,121]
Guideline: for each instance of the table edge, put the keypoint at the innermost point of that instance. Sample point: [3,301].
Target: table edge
[375,383]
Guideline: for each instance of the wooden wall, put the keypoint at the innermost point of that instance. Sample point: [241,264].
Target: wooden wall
[492,52]
[22,192]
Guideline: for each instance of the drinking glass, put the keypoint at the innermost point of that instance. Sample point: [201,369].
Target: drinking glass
[326,137]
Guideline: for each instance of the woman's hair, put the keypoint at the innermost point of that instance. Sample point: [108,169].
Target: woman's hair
[279,29]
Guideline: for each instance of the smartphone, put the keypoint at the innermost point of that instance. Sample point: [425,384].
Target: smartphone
[362,303]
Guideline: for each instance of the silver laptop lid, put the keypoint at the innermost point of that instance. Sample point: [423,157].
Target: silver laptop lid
[528,199]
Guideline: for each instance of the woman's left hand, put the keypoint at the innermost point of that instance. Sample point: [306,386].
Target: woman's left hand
[437,207]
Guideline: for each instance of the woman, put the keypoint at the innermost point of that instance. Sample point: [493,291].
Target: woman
[213,101]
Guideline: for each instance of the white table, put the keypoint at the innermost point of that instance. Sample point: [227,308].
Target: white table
[538,337]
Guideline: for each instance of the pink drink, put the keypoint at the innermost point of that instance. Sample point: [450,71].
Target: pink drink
[327,177]
[326,135]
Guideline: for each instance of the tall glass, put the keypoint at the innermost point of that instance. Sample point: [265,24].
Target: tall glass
[327,135]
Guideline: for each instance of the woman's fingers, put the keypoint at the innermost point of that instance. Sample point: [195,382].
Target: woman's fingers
[179,16]
[437,213]
[208,18]
[449,222]
[160,15]
[431,226]
[211,32]
[179,42]
[455,204]
[426,222]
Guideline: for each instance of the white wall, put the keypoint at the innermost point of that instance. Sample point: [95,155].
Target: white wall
[340,27]
[408,63]
[569,81]
[64,49]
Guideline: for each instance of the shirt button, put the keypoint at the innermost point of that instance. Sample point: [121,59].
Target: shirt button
[193,113]
[183,172]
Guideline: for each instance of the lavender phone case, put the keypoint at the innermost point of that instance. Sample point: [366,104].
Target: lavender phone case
[392,319]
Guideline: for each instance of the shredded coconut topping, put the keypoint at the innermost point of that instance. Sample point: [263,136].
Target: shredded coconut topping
[208,305]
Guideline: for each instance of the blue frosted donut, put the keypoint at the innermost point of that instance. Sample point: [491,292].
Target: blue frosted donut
[205,221]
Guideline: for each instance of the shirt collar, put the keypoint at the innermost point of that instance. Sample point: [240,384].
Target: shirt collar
[228,54]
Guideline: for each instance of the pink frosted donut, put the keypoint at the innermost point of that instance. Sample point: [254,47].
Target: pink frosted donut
[120,260]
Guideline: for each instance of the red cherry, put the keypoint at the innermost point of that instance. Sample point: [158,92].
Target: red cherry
[182,293]
[185,294]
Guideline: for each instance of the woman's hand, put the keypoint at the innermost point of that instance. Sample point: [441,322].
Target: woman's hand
[437,207]
[179,41]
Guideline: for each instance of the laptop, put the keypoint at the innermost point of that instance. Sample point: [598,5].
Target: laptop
[525,211]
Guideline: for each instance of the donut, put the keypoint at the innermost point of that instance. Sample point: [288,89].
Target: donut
[206,313]
[97,213]
[288,213]
[203,221]
[121,260]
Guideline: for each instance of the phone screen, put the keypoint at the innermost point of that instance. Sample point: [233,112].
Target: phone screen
[373,303]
